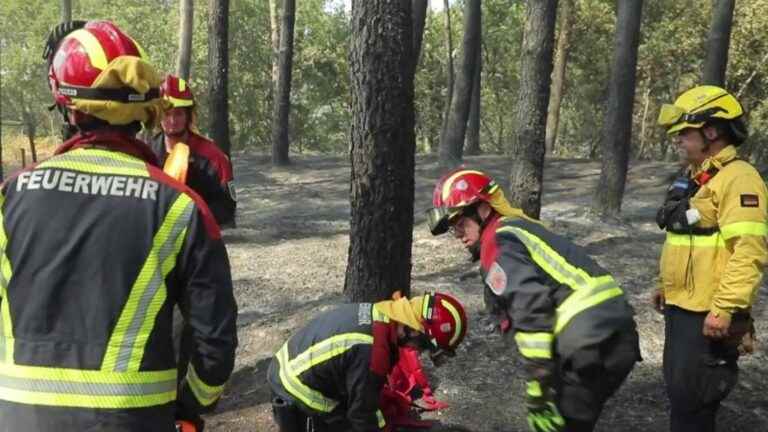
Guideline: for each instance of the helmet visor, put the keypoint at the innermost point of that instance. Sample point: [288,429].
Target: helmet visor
[670,114]
[437,218]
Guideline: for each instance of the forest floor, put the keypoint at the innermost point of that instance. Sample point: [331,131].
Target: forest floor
[288,258]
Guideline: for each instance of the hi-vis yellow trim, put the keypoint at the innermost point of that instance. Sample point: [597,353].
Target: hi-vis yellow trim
[98,161]
[378,315]
[86,388]
[176,102]
[314,355]
[6,325]
[380,419]
[713,241]
[601,289]
[449,181]
[148,293]
[204,393]
[93,48]
[533,388]
[456,318]
[535,345]
[744,228]
[182,84]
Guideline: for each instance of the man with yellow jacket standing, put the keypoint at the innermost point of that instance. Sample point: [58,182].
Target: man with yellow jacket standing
[714,255]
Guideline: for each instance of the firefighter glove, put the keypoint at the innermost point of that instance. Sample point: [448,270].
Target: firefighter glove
[543,415]
[671,215]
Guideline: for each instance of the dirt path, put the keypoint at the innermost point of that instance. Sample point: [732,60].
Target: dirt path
[289,256]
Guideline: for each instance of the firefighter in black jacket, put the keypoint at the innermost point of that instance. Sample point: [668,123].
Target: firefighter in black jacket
[572,323]
[97,244]
[329,375]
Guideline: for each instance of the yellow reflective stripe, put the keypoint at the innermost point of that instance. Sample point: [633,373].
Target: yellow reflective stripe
[744,228]
[182,84]
[605,289]
[456,319]
[98,161]
[179,102]
[449,182]
[378,315]
[204,393]
[299,390]
[380,419]
[425,312]
[549,260]
[533,388]
[6,325]
[133,328]
[92,47]
[86,388]
[325,350]
[535,345]
[713,240]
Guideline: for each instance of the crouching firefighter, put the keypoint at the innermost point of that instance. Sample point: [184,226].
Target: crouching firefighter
[571,321]
[714,256]
[97,245]
[329,375]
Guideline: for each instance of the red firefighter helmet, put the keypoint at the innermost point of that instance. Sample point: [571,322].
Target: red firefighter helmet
[454,192]
[100,70]
[445,322]
[176,91]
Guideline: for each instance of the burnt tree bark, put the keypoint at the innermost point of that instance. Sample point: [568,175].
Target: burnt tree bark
[558,75]
[473,125]
[183,60]
[382,150]
[452,139]
[617,128]
[282,102]
[718,42]
[527,147]
[418,21]
[218,70]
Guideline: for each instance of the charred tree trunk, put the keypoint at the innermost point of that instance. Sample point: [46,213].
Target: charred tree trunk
[449,65]
[66,10]
[183,61]
[473,126]
[218,64]
[280,142]
[419,17]
[718,41]
[558,75]
[452,140]
[617,128]
[527,147]
[382,150]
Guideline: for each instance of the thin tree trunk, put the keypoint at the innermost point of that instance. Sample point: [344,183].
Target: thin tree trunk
[66,10]
[718,41]
[452,140]
[186,26]
[274,28]
[646,103]
[527,147]
[280,120]
[382,150]
[617,129]
[449,64]
[558,75]
[419,17]
[218,64]
[29,125]
[473,126]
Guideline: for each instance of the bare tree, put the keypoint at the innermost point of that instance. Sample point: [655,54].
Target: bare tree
[183,60]
[382,150]
[452,139]
[473,125]
[558,74]
[66,10]
[527,146]
[617,128]
[448,65]
[718,41]
[274,31]
[418,18]
[282,102]
[218,70]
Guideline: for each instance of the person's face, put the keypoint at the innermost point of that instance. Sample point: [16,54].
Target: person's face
[692,146]
[467,230]
[175,121]
[413,339]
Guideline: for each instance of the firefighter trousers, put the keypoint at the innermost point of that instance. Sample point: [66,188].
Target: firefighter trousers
[699,372]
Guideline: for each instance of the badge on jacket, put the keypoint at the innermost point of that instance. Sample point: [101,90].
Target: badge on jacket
[748,200]
[496,279]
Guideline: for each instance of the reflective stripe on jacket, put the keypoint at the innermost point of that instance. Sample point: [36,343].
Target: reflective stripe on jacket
[722,271]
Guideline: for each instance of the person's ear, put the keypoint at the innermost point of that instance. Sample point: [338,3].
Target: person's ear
[710,132]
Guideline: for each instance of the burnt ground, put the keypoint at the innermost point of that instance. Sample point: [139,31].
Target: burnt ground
[288,259]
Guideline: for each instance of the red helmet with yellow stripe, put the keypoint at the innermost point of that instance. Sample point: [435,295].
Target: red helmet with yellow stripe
[445,321]
[100,70]
[176,91]
[456,191]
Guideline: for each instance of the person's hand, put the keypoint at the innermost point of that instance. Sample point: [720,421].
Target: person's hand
[716,325]
[543,415]
[658,301]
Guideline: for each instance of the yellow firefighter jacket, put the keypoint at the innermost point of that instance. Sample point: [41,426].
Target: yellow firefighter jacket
[720,272]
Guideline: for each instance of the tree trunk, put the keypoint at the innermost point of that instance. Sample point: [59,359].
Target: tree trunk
[526,173]
[452,140]
[282,109]
[449,65]
[717,42]
[418,18]
[66,10]
[617,128]
[274,28]
[558,75]
[29,126]
[643,124]
[382,150]
[218,70]
[473,126]
[186,15]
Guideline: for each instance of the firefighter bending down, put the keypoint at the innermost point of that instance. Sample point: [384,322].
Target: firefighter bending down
[329,375]
[572,323]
